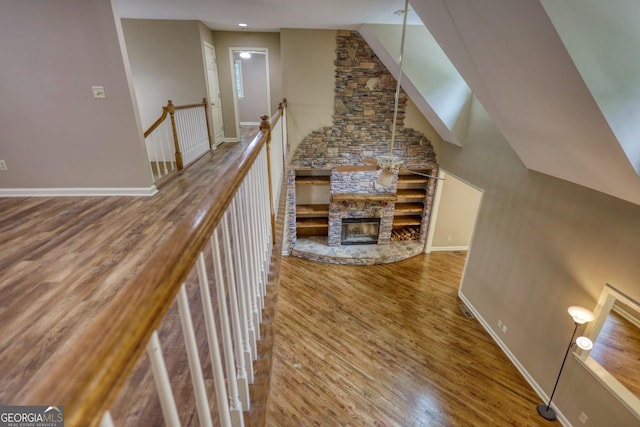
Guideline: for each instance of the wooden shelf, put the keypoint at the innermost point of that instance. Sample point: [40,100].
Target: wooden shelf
[317,180]
[366,197]
[404,221]
[411,193]
[412,179]
[312,223]
[312,210]
[409,208]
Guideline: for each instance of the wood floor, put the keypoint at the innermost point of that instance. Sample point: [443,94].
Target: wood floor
[617,349]
[388,345]
[379,345]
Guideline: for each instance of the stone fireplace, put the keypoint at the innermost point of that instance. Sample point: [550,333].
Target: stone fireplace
[354,195]
[361,130]
[360,231]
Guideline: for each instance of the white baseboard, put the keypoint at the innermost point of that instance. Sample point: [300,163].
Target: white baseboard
[231,140]
[449,248]
[65,192]
[543,396]
[249,123]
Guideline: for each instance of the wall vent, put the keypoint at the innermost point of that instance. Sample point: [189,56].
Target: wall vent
[467,313]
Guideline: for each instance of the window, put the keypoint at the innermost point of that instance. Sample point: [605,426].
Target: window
[239,82]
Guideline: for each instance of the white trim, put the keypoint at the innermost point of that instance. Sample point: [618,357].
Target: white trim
[563,420]
[448,248]
[231,140]
[65,192]
[434,212]
[249,123]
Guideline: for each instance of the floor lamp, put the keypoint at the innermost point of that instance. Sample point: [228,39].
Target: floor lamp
[580,316]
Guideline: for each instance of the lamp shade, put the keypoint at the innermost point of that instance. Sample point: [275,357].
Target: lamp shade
[584,343]
[580,315]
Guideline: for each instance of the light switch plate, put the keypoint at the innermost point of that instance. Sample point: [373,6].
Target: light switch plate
[98,92]
[3,166]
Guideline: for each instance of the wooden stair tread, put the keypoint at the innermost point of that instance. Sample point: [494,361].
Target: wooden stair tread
[312,222]
[411,193]
[312,210]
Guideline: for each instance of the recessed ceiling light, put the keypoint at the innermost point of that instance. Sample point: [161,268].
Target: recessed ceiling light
[242,24]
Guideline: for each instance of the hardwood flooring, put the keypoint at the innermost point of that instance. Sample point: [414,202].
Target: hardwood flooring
[617,349]
[388,345]
[62,258]
[378,345]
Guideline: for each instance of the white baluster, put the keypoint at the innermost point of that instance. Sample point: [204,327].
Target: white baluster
[227,342]
[163,385]
[253,243]
[199,390]
[239,344]
[241,283]
[214,346]
[256,242]
[107,420]
[245,232]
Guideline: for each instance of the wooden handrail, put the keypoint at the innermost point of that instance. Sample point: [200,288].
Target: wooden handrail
[157,122]
[88,378]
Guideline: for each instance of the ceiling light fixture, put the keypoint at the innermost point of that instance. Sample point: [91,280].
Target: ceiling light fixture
[245,55]
[243,25]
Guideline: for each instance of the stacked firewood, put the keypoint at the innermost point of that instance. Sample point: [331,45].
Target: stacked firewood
[406,233]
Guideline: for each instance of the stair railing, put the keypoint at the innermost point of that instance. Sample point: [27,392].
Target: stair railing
[223,245]
[175,143]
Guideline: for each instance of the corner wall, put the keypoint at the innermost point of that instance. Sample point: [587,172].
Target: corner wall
[166,62]
[53,133]
[542,244]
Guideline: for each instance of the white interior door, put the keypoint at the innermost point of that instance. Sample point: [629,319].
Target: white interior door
[214,94]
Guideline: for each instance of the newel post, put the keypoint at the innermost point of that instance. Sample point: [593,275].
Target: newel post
[172,109]
[265,127]
[206,119]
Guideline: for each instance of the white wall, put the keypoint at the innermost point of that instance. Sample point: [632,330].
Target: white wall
[542,244]
[308,77]
[166,63]
[53,133]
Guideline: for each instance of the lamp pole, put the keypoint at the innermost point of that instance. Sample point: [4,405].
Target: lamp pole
[546,411]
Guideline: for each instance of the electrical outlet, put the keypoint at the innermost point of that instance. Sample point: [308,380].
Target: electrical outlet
[3,166]
[98,92]
[583,418]
[504,328]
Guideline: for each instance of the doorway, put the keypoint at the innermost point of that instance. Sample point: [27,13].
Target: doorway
[455,211]
[251,92]
[213,85]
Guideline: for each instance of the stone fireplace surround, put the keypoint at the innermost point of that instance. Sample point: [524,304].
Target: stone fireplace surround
[355,194]
[361,129]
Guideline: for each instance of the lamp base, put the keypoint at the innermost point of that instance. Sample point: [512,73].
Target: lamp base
[547,412]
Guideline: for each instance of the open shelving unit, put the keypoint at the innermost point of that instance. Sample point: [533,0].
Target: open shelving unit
[312,219]
[412,193]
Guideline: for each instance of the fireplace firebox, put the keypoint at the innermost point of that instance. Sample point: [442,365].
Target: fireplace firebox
[360,231]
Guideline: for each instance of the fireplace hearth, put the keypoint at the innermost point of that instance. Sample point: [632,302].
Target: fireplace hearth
[360,231]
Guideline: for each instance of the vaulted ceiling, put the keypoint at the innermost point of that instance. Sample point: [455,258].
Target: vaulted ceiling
[560,79]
